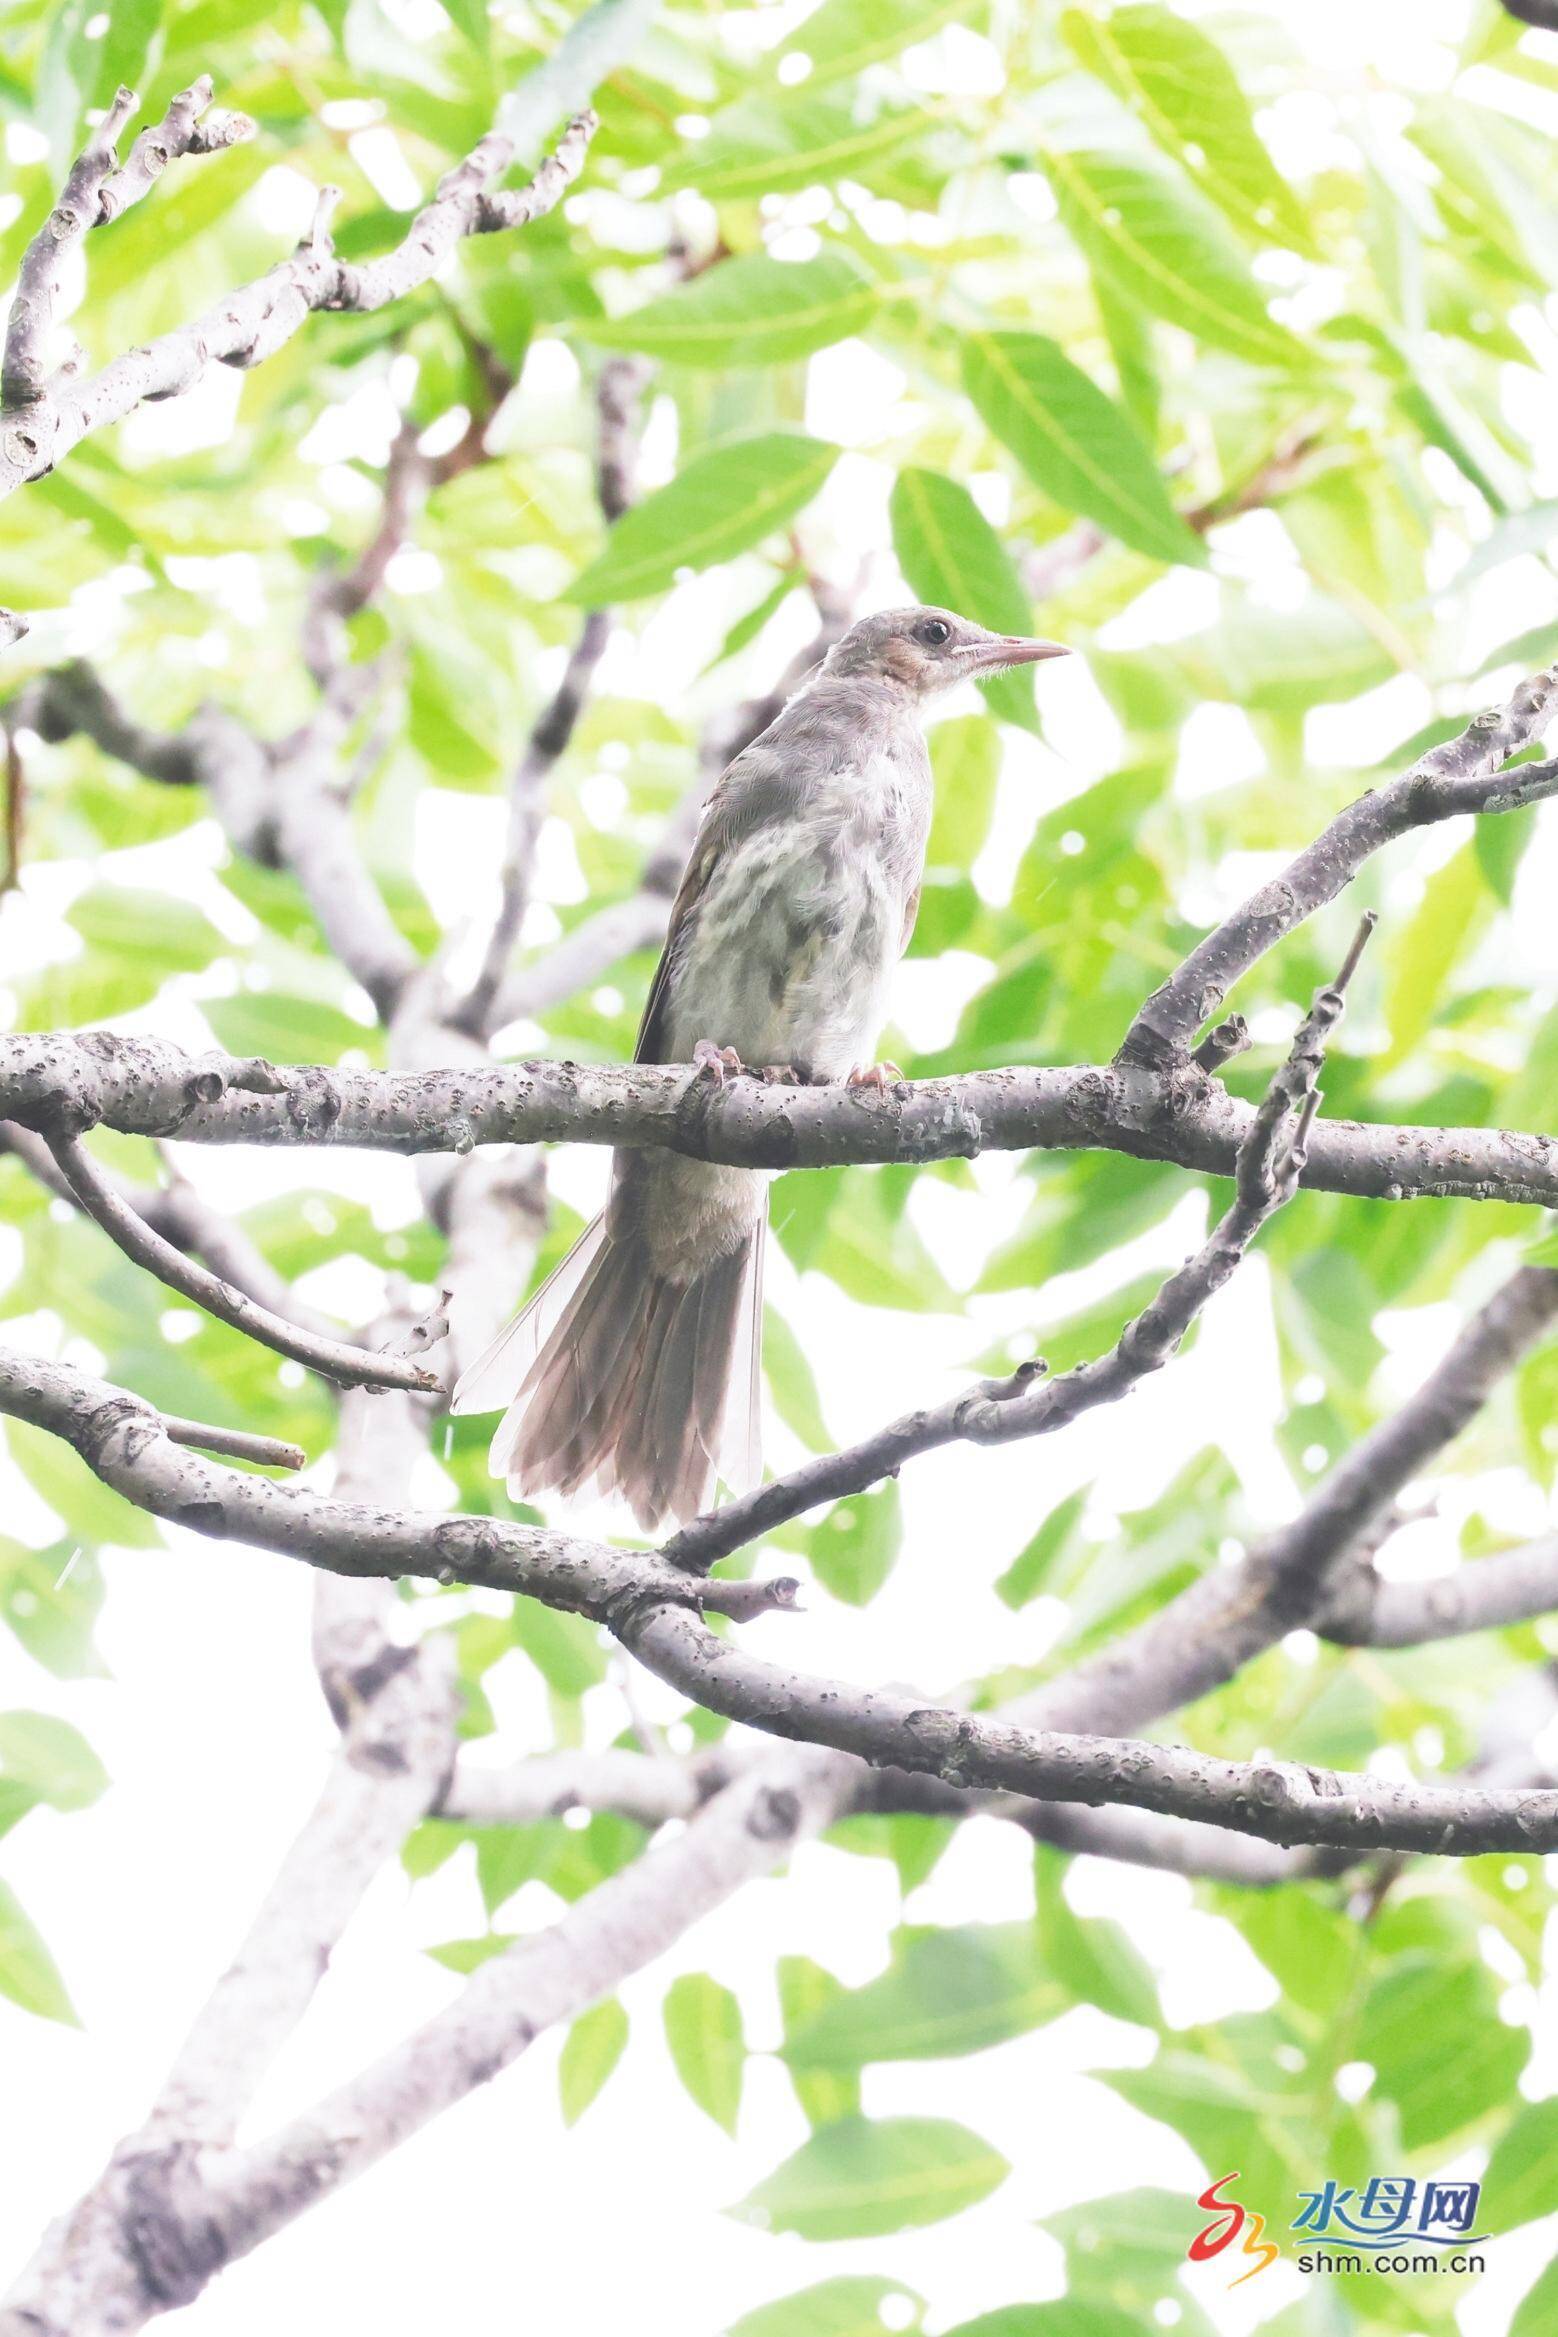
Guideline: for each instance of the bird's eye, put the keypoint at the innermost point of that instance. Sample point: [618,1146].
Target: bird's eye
[934,631]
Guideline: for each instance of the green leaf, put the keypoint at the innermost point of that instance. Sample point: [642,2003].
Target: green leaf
[1522,2178]
[591,2051]
[1440,2051]
[81,1501]
[865,2177]
[564,1648]
[954,559]
[1073,442]
[792,1383]
[1185,93]
[853,1549]
[470,17]
[51,1598]
[749,311]
[1168,249]
[703,2029]
[1536,2315]
[1089,1955]
[844,36]
[759,146]
[965,757]
[50,1760]
[805,1988]
[1068,2317]
[1030,1571]
[28,1974]
[724,502]
[947,1991]
[1456,903]
[178,937]
[852,2306]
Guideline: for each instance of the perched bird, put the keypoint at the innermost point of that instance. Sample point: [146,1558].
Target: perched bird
[635,1368]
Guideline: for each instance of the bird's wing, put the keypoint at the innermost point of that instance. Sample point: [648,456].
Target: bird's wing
[754,791]
[911,910]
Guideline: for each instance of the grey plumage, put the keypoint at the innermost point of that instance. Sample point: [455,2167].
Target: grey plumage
[635,1369]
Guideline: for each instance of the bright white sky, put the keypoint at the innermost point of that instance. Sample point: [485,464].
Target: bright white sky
[215,1736]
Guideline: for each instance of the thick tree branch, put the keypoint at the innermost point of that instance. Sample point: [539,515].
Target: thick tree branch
[1465,774]
[123,1441]
[1485,1594]
[1276,1802]
[1207,1634]
[335,1358]
[147,1087]
[1270,1163]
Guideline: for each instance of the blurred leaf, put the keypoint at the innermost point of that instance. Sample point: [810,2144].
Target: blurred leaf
[1168,249]
[853,1548]
[1439,2050]
[591,2051]
[1073,442]
[1521,2182]
[28,1973]
[805,1989]
[947,1991]
[792,1382]
[759,146]
[851,2306]
[1030,1571]
[954,559]
[1091,1957]
[845,36]
[50,1760]
[749,311]
[703,2029]
[1183,90]
[722,503]
[1538,2308]
[864,2177]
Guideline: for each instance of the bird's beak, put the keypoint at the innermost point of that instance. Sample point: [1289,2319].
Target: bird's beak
[1005,649]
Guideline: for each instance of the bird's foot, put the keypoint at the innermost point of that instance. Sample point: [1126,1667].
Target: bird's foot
[717,1064]
[879,1076]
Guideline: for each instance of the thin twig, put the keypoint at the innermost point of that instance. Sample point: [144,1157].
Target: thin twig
[349,1366]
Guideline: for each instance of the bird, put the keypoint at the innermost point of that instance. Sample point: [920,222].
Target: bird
[635,1369]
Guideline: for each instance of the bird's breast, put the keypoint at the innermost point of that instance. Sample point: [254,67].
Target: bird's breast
[800,924]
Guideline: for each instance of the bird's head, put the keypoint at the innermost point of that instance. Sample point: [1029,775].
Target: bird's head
[925,650]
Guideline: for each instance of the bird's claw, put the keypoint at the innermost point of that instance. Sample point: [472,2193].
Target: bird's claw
[879,1076]
[716,1064]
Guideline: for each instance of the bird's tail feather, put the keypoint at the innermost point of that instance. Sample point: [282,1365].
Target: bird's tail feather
[626,1380]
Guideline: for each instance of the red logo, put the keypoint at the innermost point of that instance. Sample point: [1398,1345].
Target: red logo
[1229,2219]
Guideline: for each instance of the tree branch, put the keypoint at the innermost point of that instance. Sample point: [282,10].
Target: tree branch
[1270,1163]
[123,1441]
[1207,1634]
[1275,1801]
[98,190]
[261,317]
[148,1087]
[105,1205]
[616,395]
[1465,774]
[1511,1586]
